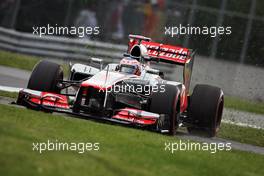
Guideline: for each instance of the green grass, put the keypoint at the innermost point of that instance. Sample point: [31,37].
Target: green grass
[242,134]
[244,105]
[24,62]
[227,131]
[21,61]
[8,94]
[123,151]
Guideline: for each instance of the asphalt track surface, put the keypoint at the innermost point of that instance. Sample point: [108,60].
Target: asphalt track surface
[13,77]
[16,78]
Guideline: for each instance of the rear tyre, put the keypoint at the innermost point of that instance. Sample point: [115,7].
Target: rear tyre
[166,103]
[45,77]
[205,110]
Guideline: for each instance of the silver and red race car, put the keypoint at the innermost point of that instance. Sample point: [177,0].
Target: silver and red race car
[129,92]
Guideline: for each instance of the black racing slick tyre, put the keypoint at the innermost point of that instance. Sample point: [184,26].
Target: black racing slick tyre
[205,110]
[165,103]
[45,77]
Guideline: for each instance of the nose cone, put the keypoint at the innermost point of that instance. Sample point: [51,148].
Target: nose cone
[104,80]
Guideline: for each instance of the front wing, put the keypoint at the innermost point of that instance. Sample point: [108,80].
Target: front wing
[51,102]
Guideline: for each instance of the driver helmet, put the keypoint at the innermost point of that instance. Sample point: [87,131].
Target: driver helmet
[130,66]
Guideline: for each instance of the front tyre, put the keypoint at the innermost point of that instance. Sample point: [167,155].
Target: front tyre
[166,103]
[45,77]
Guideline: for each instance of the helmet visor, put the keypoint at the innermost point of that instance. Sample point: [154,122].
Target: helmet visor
[128,69]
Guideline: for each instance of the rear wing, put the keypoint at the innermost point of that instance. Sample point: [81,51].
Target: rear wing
[167,53]
[160,52]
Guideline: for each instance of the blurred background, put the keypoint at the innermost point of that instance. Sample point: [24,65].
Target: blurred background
[231,61]
[118,18]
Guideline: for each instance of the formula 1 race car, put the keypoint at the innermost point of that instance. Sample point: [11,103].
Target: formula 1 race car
[129,92]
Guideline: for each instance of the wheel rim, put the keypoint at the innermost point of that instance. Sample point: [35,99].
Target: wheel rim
[219,113]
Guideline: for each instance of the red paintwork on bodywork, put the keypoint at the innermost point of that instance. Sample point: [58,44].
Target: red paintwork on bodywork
[164,53]
[135,116]
[49,99]
[184,100]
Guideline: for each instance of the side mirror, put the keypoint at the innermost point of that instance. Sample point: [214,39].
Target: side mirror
[153,71]
[97,61]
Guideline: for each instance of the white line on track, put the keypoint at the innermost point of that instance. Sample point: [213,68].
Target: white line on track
[9,89]
[241,124]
